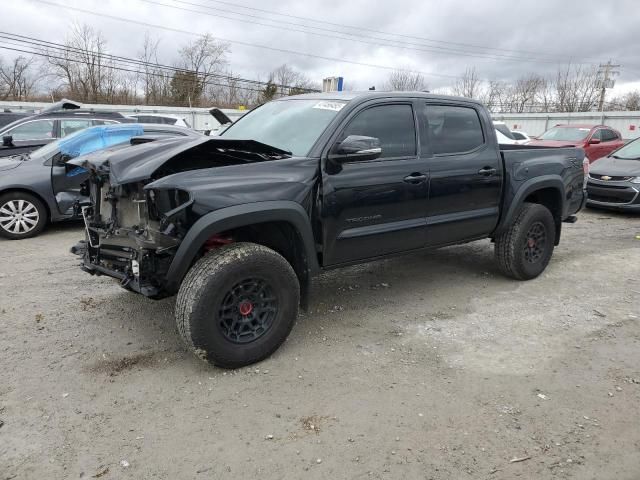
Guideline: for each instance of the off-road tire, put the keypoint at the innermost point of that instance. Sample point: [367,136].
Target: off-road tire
[511,246]
[208,283]
[14,198]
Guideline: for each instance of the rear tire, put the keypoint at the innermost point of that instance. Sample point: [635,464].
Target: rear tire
[524,250]
[237,304]
[22,215]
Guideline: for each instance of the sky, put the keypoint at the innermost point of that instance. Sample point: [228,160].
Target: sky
[501,39]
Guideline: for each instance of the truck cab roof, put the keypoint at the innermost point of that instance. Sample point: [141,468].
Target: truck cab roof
[372,95]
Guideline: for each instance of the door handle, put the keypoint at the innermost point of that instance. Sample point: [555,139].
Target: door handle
[487,171]
[415,178]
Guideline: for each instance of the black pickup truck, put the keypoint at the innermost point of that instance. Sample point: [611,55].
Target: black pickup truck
[237,225]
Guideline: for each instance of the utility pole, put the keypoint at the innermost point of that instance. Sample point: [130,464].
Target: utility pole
[606,74]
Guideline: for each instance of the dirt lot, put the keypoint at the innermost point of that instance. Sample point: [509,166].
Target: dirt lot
[427,366]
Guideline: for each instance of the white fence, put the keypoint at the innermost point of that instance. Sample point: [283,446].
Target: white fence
[199,118]
[627,123]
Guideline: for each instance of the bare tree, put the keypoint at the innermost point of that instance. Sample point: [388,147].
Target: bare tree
[495,96]
[525,91]
[155,79]
[83,68]
[290,81]
[405,80]
[546,97]
[204,57]
[468,85]
[231,92]
[576,88]
[17,78]
[629,101]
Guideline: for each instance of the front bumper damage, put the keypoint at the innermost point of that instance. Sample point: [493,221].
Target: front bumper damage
[137,216]
[128,239]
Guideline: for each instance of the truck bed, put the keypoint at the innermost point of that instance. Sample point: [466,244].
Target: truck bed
[524,163]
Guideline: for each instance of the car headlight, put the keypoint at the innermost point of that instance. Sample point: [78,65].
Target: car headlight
[635,180]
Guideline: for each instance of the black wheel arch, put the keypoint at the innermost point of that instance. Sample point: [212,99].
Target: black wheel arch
[547,190]
[289,214]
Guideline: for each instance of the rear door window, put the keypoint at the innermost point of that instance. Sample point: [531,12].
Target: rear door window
[67,127]
[36,130]
[450,129]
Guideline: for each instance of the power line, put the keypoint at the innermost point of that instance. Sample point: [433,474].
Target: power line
[32,41]
[353,27]
[238,42]
[113,67]
[359,37]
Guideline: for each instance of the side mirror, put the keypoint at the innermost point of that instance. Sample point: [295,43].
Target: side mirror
[60,159]
[7,141]
[356,148]
[594,141]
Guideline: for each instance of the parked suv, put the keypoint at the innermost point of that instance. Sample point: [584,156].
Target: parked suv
[27,134]
[597,141]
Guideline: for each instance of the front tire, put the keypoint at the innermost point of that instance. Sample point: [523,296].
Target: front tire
[524,250]
[22,215]
[237,304]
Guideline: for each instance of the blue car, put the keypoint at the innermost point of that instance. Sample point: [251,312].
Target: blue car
[40,187]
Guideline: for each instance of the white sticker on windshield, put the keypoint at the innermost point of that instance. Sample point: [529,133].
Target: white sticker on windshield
[334,106]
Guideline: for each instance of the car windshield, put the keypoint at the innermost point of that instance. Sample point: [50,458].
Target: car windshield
[291,125]
[566,134]
[630,151]
[50,149]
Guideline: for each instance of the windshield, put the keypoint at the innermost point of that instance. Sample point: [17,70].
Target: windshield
[631,151]
[291,125]
[566,134]
[50,149]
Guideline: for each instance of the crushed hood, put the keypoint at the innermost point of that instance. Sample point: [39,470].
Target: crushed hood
[130,164]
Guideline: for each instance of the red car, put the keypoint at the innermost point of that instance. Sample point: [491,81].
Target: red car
[597,141]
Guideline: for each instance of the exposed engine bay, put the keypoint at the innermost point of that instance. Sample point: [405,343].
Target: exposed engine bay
[134,224]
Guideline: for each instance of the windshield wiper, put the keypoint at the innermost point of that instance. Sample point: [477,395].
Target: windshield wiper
[625,158]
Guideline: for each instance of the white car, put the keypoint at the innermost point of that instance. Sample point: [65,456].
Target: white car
[163,119]
[520,136]
[504,140]
[504,134]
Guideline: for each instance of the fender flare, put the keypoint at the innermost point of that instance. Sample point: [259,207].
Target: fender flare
[240,216]
[527,188]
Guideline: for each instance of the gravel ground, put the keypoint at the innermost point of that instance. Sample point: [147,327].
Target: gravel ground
[428,366]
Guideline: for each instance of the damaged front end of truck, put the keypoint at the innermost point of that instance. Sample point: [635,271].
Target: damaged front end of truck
[137,216]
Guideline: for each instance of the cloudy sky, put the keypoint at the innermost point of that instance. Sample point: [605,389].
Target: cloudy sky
[501,39]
